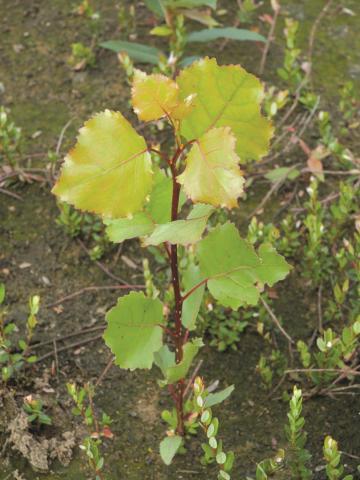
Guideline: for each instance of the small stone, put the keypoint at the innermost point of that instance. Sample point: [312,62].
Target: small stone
[45,281]
[24,265]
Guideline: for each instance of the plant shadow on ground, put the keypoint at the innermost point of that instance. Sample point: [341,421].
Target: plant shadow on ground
[44,93]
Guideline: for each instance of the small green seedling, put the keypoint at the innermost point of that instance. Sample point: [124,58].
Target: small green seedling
[213,448]
[215,123]
[10,139]
[34,408]
[270,466]
[291,71]
[296,436]
[12,357]
[268,366]
[334,469]
[98,429]
[81,56]
[173,15]
[291,462]
[86,226]
[335,352]
[85,8]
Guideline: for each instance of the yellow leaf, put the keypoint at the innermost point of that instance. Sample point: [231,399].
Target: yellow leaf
[183,108]
[156,96]
[212,174]
[109,170]
[153,96]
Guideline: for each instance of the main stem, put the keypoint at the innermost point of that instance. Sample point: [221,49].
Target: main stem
[178,337]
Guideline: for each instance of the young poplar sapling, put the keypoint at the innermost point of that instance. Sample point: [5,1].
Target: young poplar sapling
[214,115]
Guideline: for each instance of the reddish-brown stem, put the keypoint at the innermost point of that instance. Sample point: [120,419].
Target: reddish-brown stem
[177,333]
[177,391]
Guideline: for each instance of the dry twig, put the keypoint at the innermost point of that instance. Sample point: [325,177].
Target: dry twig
[92,289]
[276,321]
[270,38]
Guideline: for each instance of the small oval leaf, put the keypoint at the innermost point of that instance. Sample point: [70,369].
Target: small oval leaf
[168,448]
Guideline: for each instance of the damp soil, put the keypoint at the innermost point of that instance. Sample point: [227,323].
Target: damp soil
[37,257]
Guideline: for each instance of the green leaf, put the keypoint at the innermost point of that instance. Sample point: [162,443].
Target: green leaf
[155,6]
[180,370]
[230,457]
[233,268]
[157,210]
[226,96]
[159,206]
[2,292]
[187,61]
[153,96]
[32,359]
[212,174]
[161,31]
[165,360]
[168,448]
[182,232]
[231,33]
[356,327]
[282,173]
[125,228]
[224,475]
[218,397]
[136,51]
[9,328]
[191,306]
[190,3]
[201,16]
[32,417]
[221,458]
[134,330]
[109,170]
[4,356]
[273,267]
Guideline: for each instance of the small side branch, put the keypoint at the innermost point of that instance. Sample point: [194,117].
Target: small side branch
[193,289]
[276,321]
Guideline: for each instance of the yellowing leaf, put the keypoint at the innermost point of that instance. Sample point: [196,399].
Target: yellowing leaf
[109,170]
[134,330]
[225,96]
[183,108]
[153,96]
[156,96]
[212,174]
